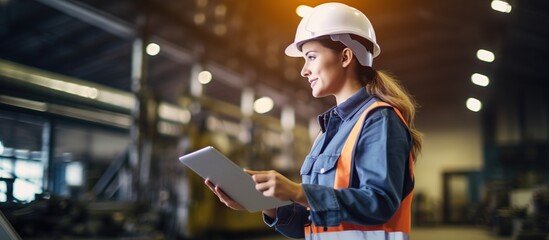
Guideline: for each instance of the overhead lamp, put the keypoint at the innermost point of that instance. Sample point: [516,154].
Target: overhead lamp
[153,49]
[480,79]
[199,18]
[74,174]
[220,29]
[204,77]
[201,3]
[220,11]
[501,6]
[303,10]
[473,104]
[485,55]
[263,105]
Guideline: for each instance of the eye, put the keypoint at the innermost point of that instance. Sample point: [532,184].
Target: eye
[311,57]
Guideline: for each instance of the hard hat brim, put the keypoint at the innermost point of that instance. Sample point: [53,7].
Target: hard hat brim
[292,51]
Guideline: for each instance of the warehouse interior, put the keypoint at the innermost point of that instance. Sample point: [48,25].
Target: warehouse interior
[99,98]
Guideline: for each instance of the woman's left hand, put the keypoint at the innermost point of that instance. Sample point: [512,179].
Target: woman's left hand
[228,201]
[273,184]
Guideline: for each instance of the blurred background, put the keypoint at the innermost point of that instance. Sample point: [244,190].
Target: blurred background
[99,98]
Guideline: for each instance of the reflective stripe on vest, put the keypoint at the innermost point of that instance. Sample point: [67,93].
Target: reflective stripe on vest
[398,227]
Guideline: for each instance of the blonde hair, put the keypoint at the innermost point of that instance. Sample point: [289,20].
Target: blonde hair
[385,87]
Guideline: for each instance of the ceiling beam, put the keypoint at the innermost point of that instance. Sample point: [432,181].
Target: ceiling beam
[94,17]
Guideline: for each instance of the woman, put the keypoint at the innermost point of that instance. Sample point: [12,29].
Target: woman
[357,181]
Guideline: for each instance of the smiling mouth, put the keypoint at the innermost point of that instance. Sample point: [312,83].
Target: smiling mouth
[313,82]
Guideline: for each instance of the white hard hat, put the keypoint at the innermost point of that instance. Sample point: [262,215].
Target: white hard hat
[338,21]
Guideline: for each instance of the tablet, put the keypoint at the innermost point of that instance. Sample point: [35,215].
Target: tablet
[237,184]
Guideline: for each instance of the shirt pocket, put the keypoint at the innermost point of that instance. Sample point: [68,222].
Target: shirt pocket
[324,169]
[306,169]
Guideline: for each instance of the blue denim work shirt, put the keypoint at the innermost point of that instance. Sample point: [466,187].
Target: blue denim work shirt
[378,183]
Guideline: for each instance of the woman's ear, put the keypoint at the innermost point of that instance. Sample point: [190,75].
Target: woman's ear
[346,57]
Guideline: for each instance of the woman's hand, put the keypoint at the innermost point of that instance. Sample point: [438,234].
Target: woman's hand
[274,184]
[228,201]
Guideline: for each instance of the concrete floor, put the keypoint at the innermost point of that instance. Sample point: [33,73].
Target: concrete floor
[437,233]
[454,233]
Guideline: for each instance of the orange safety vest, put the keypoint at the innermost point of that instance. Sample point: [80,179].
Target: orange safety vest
[398,227]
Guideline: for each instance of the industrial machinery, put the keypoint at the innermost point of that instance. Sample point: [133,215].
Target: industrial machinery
[68,169]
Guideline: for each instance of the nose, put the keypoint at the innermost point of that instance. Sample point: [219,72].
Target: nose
[305,72]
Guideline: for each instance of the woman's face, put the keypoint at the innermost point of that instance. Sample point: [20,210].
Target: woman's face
[323,68]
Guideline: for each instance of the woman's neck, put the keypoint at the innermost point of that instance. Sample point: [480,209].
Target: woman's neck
[347,90]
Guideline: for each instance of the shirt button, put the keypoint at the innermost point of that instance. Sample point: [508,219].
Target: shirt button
[322,170]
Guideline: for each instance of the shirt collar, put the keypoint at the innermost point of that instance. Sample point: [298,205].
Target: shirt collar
[345,109]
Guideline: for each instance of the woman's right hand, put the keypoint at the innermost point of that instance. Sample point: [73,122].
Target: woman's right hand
[228,201]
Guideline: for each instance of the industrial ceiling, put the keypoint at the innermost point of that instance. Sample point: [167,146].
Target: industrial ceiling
[429,45]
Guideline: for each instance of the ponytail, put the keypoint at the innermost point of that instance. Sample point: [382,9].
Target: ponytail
[387,88]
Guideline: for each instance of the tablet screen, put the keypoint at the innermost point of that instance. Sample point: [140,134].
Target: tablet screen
[237,184]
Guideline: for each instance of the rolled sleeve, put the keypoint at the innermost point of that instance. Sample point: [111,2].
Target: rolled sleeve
[270,222]
[284,215]
[290,220]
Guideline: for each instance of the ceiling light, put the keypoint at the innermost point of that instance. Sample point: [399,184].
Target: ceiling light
[263,105]
[199,18]
[303,10]
[485,55]
[153,49]
[501,6]
[201,3]
[73,174]
[220,10]
[479,79]
[204,77]
[220,29]
[473,104]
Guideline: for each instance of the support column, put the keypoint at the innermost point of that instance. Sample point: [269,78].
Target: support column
[246,124]
[247,99]
[48,139]
[144,120]
[194,85]
[287,121]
